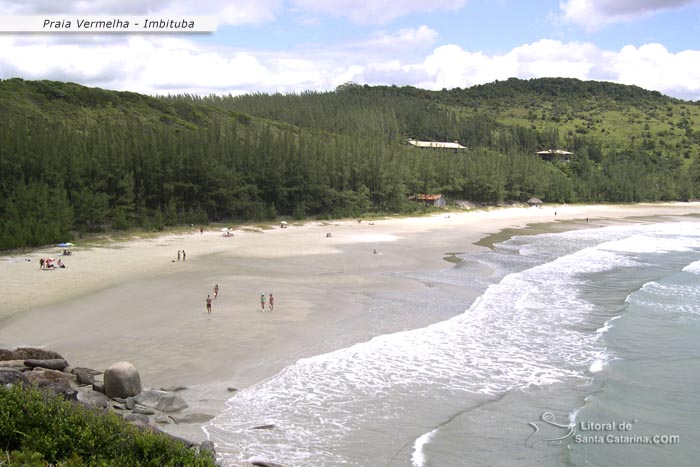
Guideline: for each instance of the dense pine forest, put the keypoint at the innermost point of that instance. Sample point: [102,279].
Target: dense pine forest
[77,159]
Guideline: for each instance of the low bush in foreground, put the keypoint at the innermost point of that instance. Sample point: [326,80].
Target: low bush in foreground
[37,429]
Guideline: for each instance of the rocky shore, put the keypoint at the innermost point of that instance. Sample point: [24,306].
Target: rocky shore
[117,389]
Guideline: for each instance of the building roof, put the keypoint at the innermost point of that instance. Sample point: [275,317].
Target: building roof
[435,144]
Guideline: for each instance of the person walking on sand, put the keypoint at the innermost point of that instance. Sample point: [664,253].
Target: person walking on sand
[216,291]
[184,255]
[272,302]
[178,255]
[262,302]
[208,305]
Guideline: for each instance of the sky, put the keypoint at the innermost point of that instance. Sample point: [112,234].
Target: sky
[300,45]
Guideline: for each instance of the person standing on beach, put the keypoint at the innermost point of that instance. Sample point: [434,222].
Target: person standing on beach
[272,302]
[208,305]
[183,255]
[262,302]
[178,255]
[216,291]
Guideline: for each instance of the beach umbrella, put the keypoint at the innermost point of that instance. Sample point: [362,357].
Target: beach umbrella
[283,222]
[64,245]
[225,229]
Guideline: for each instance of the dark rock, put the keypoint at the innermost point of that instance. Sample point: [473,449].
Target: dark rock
[59,388]
[83,377]
[263,427]
[81,369]
[122,380]
[192,418]
[43,374]
[207,447]
[98,386]
[118,406]
[264,464]
[30,353]
[93,399]
[58,364]
[161,400]
[130,403]
[232,389]
[12,376]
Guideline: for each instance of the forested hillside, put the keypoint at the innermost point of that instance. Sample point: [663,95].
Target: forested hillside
[76,159]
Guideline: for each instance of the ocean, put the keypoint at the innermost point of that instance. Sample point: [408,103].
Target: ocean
[582,348]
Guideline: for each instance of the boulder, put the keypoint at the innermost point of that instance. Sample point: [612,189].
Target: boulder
[122,380]
[161,400]
[144,410]
[130,403]
[12,376]
[80,369]
[42,374]
[93,399]
[98,386]
[83,376]
[207,447]
[58,387]
[51,364]
[31,353]
[16,364]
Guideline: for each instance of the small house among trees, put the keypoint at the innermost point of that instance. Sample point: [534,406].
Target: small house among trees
[534,202]
[437,201]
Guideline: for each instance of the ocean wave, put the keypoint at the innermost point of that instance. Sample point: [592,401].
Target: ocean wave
[529,329]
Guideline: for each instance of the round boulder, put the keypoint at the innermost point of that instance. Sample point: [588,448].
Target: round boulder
[122,380]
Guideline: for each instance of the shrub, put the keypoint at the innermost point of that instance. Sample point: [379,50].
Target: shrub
[36,428]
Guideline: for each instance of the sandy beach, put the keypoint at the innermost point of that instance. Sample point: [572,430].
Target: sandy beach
[134,301]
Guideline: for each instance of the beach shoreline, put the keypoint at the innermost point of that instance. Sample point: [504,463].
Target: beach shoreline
[134,301]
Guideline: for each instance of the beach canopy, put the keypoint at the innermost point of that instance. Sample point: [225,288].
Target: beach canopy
[64,245]
[225,229]
[534,201]
[283,222]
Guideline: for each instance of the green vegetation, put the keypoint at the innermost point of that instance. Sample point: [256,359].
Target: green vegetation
[77,159]
[38,430]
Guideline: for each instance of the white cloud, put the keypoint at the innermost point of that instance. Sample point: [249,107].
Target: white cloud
[161,65]
[374,11]
[233,12]
[405,39]
[593,14]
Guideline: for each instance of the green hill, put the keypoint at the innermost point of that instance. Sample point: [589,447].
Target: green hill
[74,158]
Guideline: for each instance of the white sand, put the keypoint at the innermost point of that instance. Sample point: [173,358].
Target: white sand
[130,301]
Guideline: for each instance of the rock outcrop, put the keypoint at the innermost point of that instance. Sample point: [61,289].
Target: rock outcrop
[122,380]
[118,389]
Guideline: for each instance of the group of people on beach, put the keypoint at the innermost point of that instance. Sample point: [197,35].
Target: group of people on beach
[184,255]
[270,300]
[48,263]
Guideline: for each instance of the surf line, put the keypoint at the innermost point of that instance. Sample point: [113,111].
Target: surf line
[447,422]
